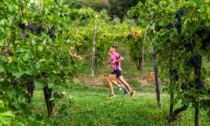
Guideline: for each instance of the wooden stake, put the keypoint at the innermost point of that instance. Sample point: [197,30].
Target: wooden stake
[93,53]
[142,60]
[40,9]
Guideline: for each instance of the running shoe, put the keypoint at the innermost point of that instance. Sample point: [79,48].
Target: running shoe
[111,96]
[132,94]
[120,88]
[126,92]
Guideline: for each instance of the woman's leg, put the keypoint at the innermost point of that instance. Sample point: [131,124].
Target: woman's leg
[109,80]
[124,83]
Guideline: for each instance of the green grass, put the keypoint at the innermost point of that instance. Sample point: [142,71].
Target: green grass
[89,106]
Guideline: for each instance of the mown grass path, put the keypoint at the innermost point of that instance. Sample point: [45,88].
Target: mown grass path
[90,107]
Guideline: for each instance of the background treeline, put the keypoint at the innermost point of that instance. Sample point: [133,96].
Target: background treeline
[117,8]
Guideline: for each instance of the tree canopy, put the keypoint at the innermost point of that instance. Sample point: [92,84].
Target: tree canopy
[114,7]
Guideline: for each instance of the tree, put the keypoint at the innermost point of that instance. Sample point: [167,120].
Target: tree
[114,7]
[97,6]
[74,4]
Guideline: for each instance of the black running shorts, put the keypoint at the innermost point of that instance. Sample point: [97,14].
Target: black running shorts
[117,72]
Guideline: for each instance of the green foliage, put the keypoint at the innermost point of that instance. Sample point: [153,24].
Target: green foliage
[128,20]
[114,7]
[97,6]
[78,4]
[73,4]
[5,113]
[106,35]
[134,44]
[120,8]
[30,57]
[44,59]
[116,20]
[193,20]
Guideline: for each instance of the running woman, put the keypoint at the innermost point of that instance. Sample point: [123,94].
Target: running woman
[116,59]
[118,83]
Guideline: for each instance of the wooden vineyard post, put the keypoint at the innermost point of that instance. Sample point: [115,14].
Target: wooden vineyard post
[139,63]
[155,68]
[93,53]
[96,64]
[96,57]
[40,9]
[142,56]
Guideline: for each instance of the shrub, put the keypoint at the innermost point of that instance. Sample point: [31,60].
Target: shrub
[133,82]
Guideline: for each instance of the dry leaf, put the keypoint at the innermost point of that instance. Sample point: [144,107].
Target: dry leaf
[55,114]
[23,12]
[72,122]
[201,118]
[35,108]
[77,106]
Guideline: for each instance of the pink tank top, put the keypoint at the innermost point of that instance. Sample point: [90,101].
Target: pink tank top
[114,57]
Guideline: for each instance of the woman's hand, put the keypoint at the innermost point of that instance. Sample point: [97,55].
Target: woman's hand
[109,66]
[113,62]
[108,61]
